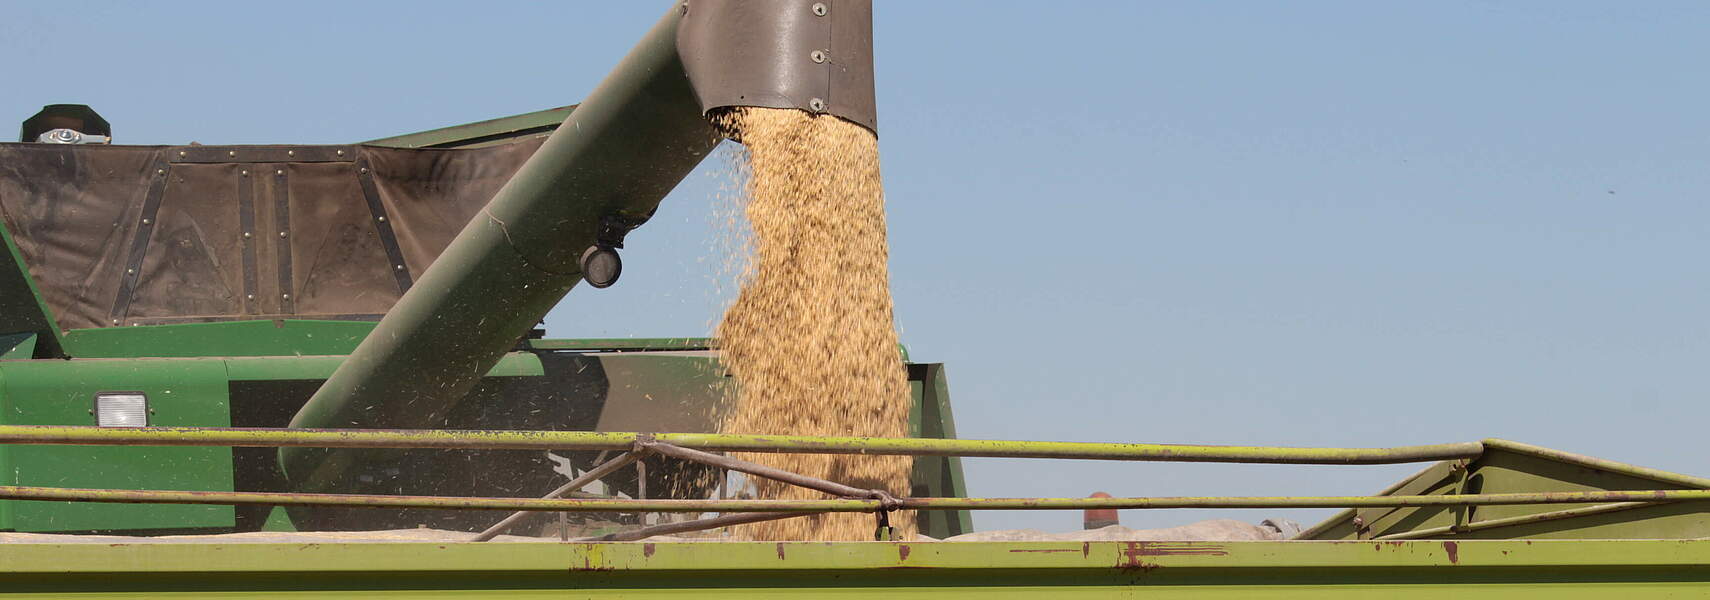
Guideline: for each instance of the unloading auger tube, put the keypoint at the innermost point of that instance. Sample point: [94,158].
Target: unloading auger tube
[600,175]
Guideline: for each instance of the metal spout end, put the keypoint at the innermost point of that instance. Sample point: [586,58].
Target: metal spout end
[815,56]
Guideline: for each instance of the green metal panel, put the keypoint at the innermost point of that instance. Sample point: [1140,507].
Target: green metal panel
[22,309]
[938,476]
[231,338]
[60,392]
[1434,570]
[282,368]
[482,133]
[17,346]
[1513,468]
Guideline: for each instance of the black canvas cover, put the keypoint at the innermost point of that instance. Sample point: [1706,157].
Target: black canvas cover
[136,235]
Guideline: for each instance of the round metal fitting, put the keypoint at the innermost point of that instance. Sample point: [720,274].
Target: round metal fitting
[232,153]
[397,267]
[601,266]
[817,105]
[147,221]
[818,56]
[243,173]
[130,271]
[290,153]
[281,234]
[381,218]
[160,171]
[819,9]
[340,153]
[181,153]
[279,172]
[285,296]
[362,170]
[246,235]
[249,296]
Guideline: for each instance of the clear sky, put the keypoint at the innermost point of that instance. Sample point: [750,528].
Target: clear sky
[1312,223]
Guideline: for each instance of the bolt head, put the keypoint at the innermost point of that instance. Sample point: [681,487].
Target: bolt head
[160,171]
[249,296]
[182,153]
[362,170]
[817,105]
[819,9]
[130,271]
[818,56]
[290,153]
[397,267]
[246,235]
[279,172]
[381,219]
[340,153]
[285,296]
[147,221]
[232,153]
[244,173]
[281,234]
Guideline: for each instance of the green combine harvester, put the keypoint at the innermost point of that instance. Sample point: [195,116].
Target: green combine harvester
[235,370]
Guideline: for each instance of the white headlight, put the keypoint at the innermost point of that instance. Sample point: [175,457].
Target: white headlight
[122,409]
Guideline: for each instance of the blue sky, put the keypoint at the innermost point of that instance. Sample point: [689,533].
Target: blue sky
[1317,223]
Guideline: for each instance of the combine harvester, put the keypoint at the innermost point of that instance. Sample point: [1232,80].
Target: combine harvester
[259,363]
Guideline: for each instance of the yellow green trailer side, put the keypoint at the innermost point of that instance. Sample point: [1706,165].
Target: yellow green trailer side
[1628,569]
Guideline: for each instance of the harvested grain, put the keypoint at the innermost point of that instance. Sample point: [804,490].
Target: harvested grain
[810,338]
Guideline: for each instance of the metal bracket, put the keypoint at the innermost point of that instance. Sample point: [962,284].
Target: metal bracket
[1463,514]
[383,226]
[146,224]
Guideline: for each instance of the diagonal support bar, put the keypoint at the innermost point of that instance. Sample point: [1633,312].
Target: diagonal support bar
[575,484]
[757,469]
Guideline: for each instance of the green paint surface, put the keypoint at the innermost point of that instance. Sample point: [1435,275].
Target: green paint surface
[60,392]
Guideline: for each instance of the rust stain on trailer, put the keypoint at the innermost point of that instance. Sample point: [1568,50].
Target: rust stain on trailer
[1133,554]
[1454,551]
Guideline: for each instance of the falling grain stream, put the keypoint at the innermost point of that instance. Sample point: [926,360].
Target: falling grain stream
[810,339]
